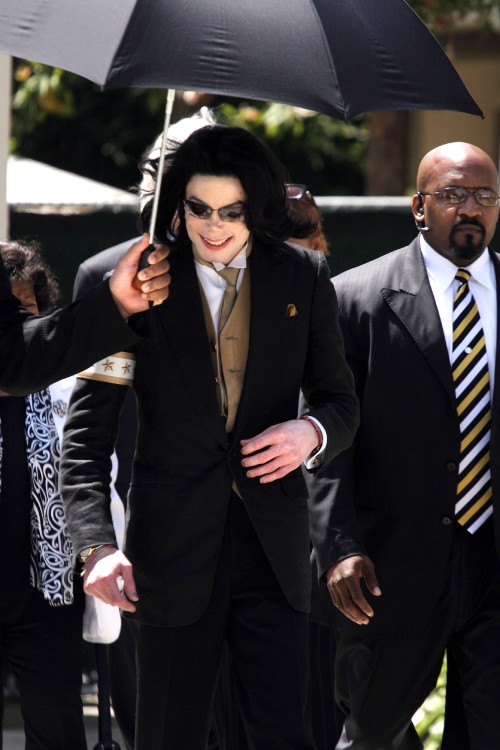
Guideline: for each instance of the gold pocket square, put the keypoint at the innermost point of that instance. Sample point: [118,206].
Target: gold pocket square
[291,311]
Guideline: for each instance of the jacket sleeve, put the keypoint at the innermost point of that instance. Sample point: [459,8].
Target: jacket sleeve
[88,444]
[36,351]
[327,384]
[334,532]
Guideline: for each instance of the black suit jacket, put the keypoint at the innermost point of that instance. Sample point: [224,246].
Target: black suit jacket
[393,493]
[37,351]
[90,273]
[185,462]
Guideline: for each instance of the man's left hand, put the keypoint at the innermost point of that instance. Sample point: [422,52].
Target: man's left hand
[278,450]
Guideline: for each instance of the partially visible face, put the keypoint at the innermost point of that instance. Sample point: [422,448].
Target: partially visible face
[25,293]
[216,240]
[458,232]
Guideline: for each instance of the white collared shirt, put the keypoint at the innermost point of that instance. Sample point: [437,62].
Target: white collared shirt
[441,273]
[214,285]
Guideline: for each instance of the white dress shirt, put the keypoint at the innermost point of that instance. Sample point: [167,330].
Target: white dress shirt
[214,285]
[441,273]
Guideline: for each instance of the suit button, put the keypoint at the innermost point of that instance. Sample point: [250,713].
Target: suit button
[446,520]
[451,467]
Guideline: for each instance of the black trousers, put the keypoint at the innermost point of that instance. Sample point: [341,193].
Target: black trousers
[43,647]
[268,641]
[380,686]
[455,732]
[122,679]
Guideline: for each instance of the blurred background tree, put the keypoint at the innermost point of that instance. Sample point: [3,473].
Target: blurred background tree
[385,166]
[67,122]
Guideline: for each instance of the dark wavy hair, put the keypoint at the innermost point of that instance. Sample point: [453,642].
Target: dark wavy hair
[222,151]
[23,261]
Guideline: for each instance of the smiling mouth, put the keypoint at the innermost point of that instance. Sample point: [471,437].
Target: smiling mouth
[215,243]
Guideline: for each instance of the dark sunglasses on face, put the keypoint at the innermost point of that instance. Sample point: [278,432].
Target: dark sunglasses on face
[233,212]
[297,192]
[457,195]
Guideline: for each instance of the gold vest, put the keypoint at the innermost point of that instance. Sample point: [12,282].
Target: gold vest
[229,356]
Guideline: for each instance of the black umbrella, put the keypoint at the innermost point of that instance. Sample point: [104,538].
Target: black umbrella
[340,57]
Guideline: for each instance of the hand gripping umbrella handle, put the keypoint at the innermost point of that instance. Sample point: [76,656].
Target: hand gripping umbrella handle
[144,259]
[143,263]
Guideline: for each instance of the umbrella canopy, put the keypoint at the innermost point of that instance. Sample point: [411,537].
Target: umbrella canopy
[340,57]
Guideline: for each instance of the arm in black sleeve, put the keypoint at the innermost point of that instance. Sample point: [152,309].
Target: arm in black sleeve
[37,351]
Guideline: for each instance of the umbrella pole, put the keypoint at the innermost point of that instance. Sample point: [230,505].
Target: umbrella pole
[168,114]
[156,198]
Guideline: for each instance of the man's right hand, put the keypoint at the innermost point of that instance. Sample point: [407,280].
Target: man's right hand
[110,579]
[153,281]
[344,584]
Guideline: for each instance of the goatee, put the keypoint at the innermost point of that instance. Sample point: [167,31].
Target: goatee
[471,248]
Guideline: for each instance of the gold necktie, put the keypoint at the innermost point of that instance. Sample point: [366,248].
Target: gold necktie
[472,388]
[230,276]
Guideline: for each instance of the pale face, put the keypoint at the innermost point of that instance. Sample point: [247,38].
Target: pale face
[216,240]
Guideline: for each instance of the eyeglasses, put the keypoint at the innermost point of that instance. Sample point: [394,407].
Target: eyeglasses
[458,195]
[296,192]
[233,212]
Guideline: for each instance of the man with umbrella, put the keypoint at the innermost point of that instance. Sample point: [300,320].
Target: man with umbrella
[217,543]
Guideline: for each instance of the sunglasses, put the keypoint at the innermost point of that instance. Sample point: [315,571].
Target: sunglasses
[233,212]
[297,192]
[457,195]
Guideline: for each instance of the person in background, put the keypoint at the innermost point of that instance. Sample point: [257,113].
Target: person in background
[217,541]
[326,717]
[41,603]
[121,653]
[405,524]
[35,352]
[302,206]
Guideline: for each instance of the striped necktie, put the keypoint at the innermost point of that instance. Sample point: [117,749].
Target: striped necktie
[472,389]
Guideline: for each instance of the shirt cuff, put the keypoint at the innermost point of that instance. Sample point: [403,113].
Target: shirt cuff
[315,460]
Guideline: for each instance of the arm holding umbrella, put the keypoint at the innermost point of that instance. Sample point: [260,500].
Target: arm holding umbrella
[37,351]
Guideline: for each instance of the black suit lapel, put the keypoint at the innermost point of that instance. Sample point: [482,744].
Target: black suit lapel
[414,305]
[496,395]
[183,324]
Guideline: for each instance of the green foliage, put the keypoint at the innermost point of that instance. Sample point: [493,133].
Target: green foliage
[321,152]
[429,719]
[446,14]
[68,122]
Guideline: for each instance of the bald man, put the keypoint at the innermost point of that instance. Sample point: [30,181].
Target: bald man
[405,535]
